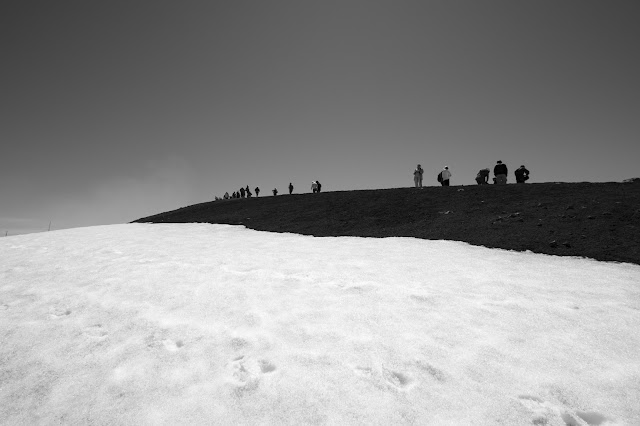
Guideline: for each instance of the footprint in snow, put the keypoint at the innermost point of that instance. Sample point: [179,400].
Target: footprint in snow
[390,378]
[266,366]
[592,418]
[158,340]
[363,371]
[172,345]
[396,379]
[435,372]
[246,373]
[544,412]
[58,312]
[96,331]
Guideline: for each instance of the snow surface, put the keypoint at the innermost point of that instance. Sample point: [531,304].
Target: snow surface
[216,324]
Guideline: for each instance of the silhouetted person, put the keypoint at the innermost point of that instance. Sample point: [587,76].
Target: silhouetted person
[290,188]
[257,191]
[522,174]
[314,186]
[275,192]
[249,194]
[241,192]
[483,177]
[500,171]
[446,175]
[417,176]
[226,195]
[319,185]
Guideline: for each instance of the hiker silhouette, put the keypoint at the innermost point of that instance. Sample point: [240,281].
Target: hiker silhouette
[446,175]
[500,172]
[522,174]
[482,178]
[417,176]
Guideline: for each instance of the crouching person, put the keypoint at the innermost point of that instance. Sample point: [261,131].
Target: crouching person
[483,177]
[522,174]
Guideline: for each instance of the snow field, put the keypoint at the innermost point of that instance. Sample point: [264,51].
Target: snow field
[217,324]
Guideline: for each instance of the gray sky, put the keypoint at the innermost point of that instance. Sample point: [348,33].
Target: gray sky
[115,110]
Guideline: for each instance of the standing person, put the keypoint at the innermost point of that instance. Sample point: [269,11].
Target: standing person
[483,177]
[249,194]
[226,195]
[500,171]
[319,186]
[290,188]
[275,192]
[257,191]
[417,176]
[314,186]
[241,192]
[446,175]
[522,174]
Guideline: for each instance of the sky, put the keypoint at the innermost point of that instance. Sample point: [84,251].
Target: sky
[152,324]
[112,111]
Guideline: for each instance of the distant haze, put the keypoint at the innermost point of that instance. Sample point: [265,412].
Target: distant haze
[111,111]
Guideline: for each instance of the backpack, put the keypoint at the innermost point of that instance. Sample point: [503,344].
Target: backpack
[440,177]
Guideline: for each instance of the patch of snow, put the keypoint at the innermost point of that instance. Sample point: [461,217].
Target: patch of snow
[218,324]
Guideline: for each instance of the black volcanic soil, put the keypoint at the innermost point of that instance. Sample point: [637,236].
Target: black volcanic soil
[595,220]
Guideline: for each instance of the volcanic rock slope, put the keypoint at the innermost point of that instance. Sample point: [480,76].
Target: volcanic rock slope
[595,220]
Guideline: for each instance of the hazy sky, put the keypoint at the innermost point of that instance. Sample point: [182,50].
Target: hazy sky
[115,110]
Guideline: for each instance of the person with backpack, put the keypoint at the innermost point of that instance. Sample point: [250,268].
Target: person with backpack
[417,176]
[444,176]
[482,178]
[275,192]
[522,174]
[319,186]
[314,186]
[500,171]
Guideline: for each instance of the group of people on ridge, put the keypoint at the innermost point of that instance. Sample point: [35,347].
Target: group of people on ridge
[443,177]
[242,193]
[246,192]
[500,172]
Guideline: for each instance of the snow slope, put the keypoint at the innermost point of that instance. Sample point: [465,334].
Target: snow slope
[217,324]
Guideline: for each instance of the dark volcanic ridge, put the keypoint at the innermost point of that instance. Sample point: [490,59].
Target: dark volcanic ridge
[595,220]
